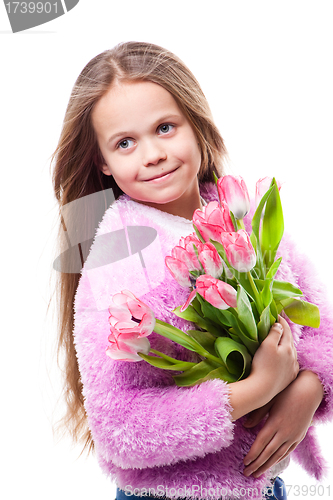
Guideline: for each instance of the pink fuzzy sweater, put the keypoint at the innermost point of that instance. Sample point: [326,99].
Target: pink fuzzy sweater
[149,433]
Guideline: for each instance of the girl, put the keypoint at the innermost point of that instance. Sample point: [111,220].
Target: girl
[138,126]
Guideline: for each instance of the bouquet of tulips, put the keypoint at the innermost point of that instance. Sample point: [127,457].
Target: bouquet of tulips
[234,298]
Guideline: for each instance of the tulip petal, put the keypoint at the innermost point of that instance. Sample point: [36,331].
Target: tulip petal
[190,299]
[179,271]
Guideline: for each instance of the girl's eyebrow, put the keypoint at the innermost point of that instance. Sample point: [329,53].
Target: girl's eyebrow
[160,120]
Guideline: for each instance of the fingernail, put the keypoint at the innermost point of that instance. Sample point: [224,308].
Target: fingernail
[246,461]
[279,326]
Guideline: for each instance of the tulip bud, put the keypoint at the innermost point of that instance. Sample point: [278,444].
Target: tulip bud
[239,250]
[233,191]
[218,293]
[213,220]
[131,321]
[210,260]
[183,259]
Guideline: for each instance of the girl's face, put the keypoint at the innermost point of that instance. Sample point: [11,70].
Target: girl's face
[149,146]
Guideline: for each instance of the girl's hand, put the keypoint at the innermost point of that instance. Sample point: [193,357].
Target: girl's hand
[274,367]
[290,415]
[275,363]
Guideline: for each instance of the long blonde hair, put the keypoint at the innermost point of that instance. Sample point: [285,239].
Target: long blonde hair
[76,174]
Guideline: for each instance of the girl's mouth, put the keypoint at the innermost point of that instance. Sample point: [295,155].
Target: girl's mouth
[161,177]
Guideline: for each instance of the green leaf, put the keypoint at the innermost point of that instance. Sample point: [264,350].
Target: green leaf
[257,215]
[251,344]
[243,280]
[195,304]
[272,226]
[200,373]
[233,220]
[234,355]
[264,324]
[205,339]
[220,249]
[177,335]
[233,335]
[301,312]
[190,314]
[219,316]
[273,269]
[266,292]
[208,310]
[239,329]
[281,289]
[245,313]
[221,373]
[274,312]
[198,233]
[176,365]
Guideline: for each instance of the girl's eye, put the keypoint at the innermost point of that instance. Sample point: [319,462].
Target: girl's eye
[165,128]
[125,144]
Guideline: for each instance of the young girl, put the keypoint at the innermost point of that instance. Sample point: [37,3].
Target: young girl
[138,125]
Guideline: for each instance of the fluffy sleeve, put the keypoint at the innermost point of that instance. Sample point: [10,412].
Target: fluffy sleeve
[315,345]
[138,416]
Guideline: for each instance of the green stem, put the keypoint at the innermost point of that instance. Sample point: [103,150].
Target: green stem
[260,305]
[213,358]
[240,224]
[203,352]
[172,360]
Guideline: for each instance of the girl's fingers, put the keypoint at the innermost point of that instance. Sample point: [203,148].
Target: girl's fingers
[287,336]
[259,446]
[275,333]
[270,456]
[289,451]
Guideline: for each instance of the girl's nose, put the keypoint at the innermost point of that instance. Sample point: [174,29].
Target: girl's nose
[153,154]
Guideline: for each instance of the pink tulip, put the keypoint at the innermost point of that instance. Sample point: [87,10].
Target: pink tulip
[262,186]
[183,259]
[187,243]
[239,250]
[210,260]
[216,292]
[213,220]
[233,191]
[125,347]
[131,321]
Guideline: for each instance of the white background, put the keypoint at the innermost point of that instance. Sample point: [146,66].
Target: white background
[266,69]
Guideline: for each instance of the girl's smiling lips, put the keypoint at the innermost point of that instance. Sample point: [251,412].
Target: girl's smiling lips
[162,176]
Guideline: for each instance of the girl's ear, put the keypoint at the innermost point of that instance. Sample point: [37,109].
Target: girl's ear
[105,169]
[101,164]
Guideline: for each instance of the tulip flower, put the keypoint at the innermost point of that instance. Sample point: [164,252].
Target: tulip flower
[183,259]
[191,256]
[210,260]
[239,250]
[233,191]
[262,186]
[125,347]
[131,321]
[218,293]
[213,220]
